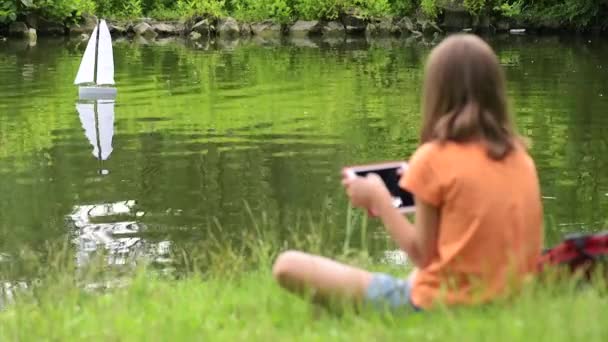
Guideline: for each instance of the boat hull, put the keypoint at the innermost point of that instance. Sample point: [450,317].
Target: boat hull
[97,93]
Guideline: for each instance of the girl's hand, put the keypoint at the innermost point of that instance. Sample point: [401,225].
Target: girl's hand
[366,192]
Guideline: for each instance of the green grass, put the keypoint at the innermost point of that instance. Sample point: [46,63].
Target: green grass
[226,292]
[250,306]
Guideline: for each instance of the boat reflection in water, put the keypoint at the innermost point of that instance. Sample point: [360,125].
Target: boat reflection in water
[97,119]
[99,226]
[109,230]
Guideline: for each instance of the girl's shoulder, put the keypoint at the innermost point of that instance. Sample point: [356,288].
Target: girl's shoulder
[425,152]
[436,149]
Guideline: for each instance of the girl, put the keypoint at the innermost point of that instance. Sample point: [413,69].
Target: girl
[478,227]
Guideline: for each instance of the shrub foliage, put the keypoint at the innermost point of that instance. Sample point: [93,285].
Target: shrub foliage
[564,13]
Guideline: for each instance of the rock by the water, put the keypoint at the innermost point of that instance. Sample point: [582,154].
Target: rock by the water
[84,37]
[381,27]
[333,29]
[428,27]
[266,29]
[195,19]
[406,25]
[165,29]
[503,25]
[353,23]
[145,30]
[129,26]
[245,29]
[229,28]
[302,28]
[181,27]
[482,23]
[18,29]
[455,16]
[50,28]
[117,30]
[355,29]
[195,35]
[203,27]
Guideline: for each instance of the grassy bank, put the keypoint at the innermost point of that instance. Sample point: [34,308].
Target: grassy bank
[250,306]
[225,291]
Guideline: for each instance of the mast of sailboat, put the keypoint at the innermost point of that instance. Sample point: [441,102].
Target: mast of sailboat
[98,140]
[97,133]
[96,61]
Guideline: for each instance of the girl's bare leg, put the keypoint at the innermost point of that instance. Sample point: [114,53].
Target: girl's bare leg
[325,279]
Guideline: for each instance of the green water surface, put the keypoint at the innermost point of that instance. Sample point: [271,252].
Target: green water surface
[200,131]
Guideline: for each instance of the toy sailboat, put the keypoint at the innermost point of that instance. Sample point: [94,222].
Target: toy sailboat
[97,119]
[96,73]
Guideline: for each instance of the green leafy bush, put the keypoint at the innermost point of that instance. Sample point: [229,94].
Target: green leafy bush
[372,8]
[148,6]
[64,10]
[510,10]
[8,11]
[118,8]
[248,10]
[403,7]
[430,8]
[201,7]
[568,13]
[575,13]
[56,10]
[330,9]
[478,6]
[318,9]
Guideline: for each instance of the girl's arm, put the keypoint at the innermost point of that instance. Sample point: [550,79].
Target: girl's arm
[418,240]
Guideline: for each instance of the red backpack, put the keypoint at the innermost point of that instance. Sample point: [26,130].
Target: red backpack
[579,253]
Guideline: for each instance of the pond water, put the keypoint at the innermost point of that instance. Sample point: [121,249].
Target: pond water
[213,134]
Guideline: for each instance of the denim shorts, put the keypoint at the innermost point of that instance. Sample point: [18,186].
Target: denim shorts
[387,292]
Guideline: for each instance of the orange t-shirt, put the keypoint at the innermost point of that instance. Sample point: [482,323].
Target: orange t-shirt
[490,221]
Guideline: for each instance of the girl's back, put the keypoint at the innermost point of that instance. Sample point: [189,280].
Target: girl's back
[490,226]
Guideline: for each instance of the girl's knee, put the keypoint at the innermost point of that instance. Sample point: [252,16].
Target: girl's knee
[286,264]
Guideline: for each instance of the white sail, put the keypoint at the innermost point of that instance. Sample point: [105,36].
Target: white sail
[105,127]
[105,58]
[86,112]
[86,72]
